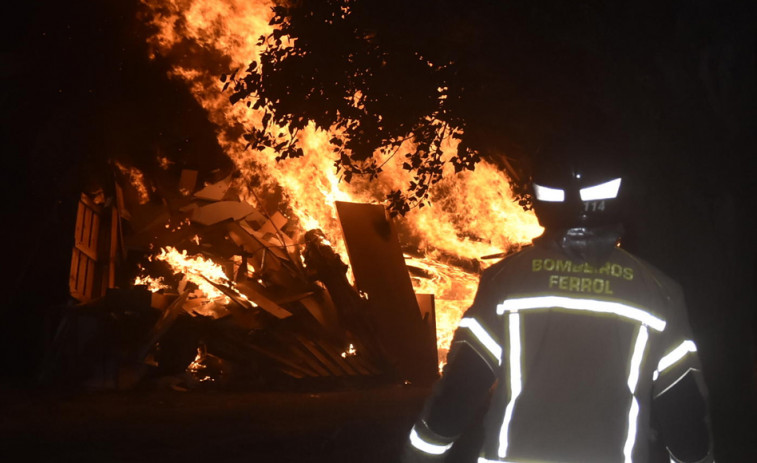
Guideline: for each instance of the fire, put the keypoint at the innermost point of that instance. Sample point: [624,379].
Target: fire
[472,215]
[351,351]
[153,284]
[137,180]
[197,270]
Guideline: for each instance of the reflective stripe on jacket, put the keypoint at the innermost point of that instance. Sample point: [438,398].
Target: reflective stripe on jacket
[578,353]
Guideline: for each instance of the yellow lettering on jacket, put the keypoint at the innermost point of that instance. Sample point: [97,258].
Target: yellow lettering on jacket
[567,266]
[580,285]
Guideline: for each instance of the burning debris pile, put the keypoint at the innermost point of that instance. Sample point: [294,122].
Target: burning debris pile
[196,285]
[245,276]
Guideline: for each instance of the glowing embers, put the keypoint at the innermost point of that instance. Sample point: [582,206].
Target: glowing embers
[607,190]
[350,352]
[552,195]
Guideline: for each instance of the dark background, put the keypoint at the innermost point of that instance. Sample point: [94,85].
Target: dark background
[78,89]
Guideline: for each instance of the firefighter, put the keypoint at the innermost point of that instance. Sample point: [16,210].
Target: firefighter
[575,350]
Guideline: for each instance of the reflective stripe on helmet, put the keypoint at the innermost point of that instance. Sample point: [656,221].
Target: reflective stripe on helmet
[607,190]
[483,337]
[544,193]
[589,305]
[427,447]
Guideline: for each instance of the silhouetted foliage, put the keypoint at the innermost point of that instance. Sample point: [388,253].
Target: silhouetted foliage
[377,73]
[500,77]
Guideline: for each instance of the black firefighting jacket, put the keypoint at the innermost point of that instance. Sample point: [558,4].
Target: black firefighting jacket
[574,363]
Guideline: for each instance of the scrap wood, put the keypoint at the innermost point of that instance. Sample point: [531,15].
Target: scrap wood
[328,355]
[246,319]
[326,360]
[232,294]
[253,246]
[267,259]
[297,367]
[114,246]
[286,338]
[274,224]
[214,191]
[161,301]
[271,245]
[214,241]
[349,362]
[275,228]
[89,273]
[150,216]
[285,295]
[322,309]
[327,266]
[307,358]
[121,204]
[255,292]
[220,211]
[380,272]
[227,341]
[162,325]
[187,181]
[86,233]
[427,306]
[255,219]
[363,366]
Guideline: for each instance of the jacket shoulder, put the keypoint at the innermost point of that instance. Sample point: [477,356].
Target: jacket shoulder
[667,284]
[510,261]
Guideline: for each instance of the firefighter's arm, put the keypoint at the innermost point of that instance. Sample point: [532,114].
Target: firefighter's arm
[456,399]
[682,419]
[458,396]
[679,404]
[679,395]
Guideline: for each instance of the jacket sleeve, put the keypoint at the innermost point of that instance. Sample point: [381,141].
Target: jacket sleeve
[463,389]
[679,404]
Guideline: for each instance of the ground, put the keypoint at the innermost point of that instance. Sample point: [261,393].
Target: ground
[366,424]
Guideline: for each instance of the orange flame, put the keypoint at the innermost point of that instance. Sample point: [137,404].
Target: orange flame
[137,180]
[196,269]
[473,213]
[153,284]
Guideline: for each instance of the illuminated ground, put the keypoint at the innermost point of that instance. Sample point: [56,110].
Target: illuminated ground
[357,425]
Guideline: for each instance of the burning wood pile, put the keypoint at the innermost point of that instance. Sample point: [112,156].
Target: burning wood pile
[198,286]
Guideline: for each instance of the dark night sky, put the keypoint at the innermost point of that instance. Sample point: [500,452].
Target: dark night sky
[78,88]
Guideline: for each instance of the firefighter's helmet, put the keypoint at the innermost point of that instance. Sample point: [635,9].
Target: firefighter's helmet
[577,187]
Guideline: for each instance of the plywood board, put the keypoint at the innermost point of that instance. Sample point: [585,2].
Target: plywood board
[215,191]
[428,313]
[216,212]
[380,272]
[187,181]
[256,293]
[86,274]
